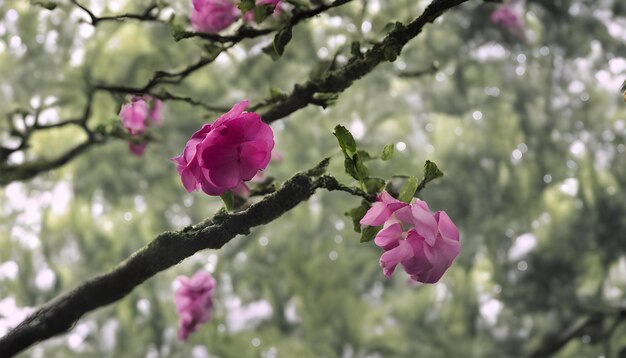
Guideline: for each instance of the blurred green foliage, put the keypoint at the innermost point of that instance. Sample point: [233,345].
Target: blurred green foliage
[530,136]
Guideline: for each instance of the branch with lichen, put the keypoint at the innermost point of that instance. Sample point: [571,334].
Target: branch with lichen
[166,250]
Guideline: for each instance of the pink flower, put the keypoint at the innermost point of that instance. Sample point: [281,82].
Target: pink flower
[506,17]
[223,155]
[249,15]
[137,115]
[137,149]
[155,111]
[212,16]
[382,209]
[194,301]
[425,244]
[134,116]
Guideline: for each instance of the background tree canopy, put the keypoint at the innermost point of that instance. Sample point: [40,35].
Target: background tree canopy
[530,133]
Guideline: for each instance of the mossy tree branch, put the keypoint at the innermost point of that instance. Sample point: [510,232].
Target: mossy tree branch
[166,250]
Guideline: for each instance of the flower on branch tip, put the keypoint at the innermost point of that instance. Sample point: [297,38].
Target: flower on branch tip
[424,243]
[137,115]
[223,155]
[213,16]
[194,301]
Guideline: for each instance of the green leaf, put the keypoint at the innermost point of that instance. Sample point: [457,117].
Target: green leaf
[281,40]
[346,140]
[408,190]
[271,52]
[356,214]
[431,171]
[229,200]
[374,185]
[369,233]
[356,167]
[246,5]
[361,169]
[350,167]
[261,12]
[387,152]
[364,155]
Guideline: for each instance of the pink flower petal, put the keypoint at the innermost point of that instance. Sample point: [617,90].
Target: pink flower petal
[388,237]
[252,157]
[425,223]
[446,227]
[391,258]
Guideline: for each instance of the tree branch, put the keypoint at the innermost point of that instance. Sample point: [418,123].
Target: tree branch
[338,80]
[95,20]
[25,171]
[166,250]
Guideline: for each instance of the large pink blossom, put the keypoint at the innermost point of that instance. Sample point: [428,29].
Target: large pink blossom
[194,301]
[212,16]
[223,155]
[424,243]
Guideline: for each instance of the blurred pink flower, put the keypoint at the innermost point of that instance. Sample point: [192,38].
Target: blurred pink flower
[425,244]
[155,111]
[137,115]
[137,149]
[134,116]
[194,301]
[507,17]
[223,155]
[213,16]
[249,15]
